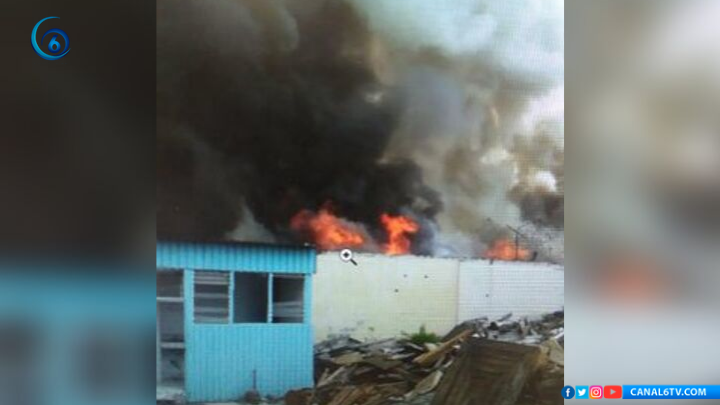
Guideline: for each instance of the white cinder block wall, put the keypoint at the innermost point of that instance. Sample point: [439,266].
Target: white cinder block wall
[520,288]
[385,296]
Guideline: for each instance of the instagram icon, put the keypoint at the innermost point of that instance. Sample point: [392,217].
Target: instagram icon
[596,392]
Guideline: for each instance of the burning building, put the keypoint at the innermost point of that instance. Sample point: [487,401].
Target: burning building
[412,131]
[330,232]
[324,122]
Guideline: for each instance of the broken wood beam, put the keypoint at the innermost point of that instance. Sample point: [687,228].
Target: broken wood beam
[488,372]
[427,359]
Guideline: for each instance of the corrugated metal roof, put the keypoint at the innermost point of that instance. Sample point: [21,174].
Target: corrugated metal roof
[236,257]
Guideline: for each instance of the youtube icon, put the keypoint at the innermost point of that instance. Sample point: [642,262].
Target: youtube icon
[613,392]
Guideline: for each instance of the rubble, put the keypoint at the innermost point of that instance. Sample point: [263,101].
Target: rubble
[504,362]
[489,372]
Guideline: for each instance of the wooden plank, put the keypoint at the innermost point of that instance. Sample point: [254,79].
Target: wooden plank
[427,359]
[348,359]
[488,372]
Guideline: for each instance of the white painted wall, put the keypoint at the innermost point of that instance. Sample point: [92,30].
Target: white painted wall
[385,296]
[493,290]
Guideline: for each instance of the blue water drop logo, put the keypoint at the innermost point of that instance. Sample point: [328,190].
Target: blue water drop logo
[53,45]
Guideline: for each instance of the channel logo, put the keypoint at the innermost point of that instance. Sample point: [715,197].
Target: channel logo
[582,392]
[53,45]
[596,392]
[613,392]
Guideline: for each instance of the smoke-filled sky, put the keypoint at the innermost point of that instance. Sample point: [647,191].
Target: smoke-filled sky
[448,113]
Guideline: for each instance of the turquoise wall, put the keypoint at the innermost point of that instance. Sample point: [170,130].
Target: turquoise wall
[222,358]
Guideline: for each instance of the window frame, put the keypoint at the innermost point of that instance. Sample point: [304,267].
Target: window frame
[231,298]
[210,319]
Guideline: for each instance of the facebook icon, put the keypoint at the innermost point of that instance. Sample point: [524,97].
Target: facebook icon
[568,392]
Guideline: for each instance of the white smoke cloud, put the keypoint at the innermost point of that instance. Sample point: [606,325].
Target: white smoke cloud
[483,83]
[523,38]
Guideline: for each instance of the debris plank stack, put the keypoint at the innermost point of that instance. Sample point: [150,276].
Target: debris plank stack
[500,362]
[488,372]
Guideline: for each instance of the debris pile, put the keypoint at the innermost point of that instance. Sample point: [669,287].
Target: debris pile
[502,361]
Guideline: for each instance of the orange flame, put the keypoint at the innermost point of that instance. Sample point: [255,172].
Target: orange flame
[398,229]
[505,249]
[328,231]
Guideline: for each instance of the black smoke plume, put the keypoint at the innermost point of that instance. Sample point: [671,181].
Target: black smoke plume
[264,111]
[268,108]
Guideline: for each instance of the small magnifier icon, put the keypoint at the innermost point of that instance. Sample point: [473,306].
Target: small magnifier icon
[346,255]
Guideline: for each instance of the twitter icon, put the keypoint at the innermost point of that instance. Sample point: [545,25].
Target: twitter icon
[582,392]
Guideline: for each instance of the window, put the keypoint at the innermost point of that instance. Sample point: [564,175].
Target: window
[288,294]
[169,283]
[170,306]
[212,297]
[251,298]
[170,327]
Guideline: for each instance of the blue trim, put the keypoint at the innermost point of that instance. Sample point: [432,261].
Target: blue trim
[231,299]
[271,281]
[307,305]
